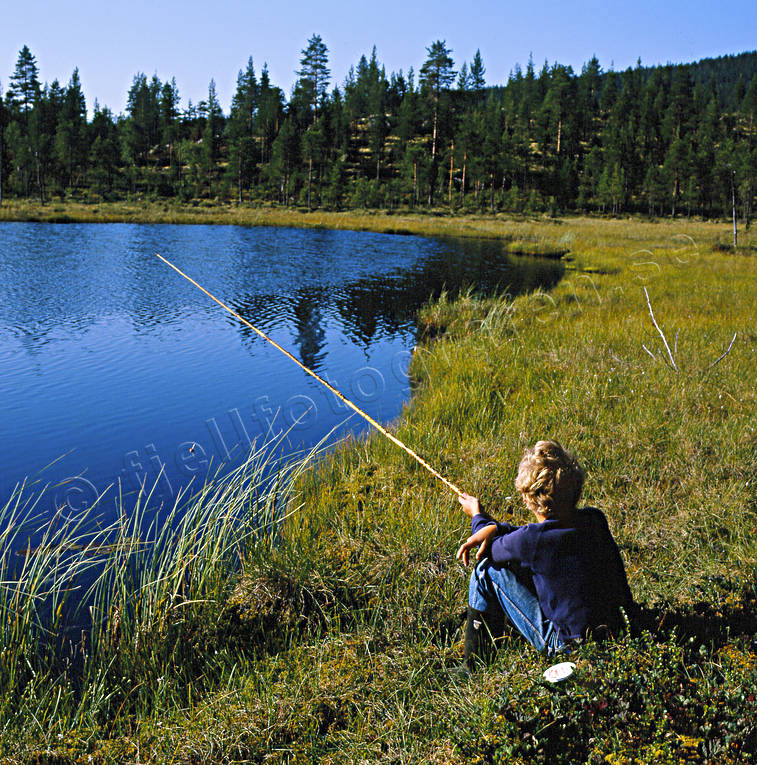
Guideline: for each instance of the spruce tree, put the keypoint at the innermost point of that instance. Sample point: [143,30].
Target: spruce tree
[141,130]
[245,101]
[477,72]
[377,104]
[283,160]
[587,98]
[105,153]
[270,113]
[239,129]
[71,140]
[23,133]
[312,150]
[211,135]
[169,114]
[25,88]
[463,78]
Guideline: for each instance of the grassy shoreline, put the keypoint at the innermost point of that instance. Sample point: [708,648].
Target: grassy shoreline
[248,214]
[342,643]
[206,212]
[506,226]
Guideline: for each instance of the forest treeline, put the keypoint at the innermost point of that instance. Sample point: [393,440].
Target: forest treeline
[664,140]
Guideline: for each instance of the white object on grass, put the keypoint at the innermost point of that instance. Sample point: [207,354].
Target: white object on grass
[558,672]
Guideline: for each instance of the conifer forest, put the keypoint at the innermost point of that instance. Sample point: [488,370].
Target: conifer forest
[663,140]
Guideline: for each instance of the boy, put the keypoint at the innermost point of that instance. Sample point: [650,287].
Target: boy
[556,580]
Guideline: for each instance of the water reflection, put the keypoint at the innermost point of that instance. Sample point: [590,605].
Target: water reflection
[108,354]
[308,318]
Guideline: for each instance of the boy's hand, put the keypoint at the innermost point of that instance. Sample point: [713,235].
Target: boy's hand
[470,505]
[480,539]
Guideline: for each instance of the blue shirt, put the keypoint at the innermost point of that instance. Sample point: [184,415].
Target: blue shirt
[576,567]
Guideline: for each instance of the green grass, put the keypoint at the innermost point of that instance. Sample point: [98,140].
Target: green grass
[342,642]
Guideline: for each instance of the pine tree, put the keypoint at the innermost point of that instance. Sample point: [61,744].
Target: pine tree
[436,75]
[377,103]
[283,160]
[104,154]
[650,143]
[725,168]
[20,159]
[42,127]
[312,150]
[587,98]
[676,170]
[554,125]
[748,149]
[707,137]
[529,93]
[141,129]
[604,193]
[617,188]
[336,128]
[492,143]
[314,74]
[407,116]
[652,189]
[336,186]
[468,146]
[169,112]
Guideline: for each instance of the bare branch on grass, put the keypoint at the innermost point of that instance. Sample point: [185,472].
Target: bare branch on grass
[671,354]
[662,334]
[648,351]
[728,350]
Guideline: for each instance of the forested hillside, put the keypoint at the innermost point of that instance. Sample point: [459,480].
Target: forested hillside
[666,140]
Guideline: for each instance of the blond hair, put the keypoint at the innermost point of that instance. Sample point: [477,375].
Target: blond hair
[550,478]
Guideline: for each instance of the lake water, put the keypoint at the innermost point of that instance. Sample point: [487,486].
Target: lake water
[117,368]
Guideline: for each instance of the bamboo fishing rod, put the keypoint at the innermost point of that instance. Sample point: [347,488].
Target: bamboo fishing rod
[323,382]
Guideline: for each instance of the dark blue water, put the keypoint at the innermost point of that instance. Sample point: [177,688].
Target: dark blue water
[117,368]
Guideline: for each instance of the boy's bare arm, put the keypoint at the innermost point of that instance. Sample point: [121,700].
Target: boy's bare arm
[481,539]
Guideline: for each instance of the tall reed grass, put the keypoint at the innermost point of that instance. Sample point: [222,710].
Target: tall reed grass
[97,626]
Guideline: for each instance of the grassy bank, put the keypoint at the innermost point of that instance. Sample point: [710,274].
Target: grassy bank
[520,234]
[342,643]
[224,213]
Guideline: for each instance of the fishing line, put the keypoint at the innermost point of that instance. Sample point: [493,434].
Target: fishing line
[323,382]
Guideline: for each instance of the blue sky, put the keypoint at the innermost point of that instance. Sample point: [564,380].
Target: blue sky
[193,41]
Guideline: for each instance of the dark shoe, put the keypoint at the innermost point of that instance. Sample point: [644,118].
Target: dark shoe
[483,631]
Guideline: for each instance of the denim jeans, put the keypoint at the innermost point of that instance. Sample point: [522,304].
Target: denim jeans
[502,587]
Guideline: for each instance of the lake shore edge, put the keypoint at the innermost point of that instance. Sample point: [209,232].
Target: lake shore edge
[250,214]
[440,222]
